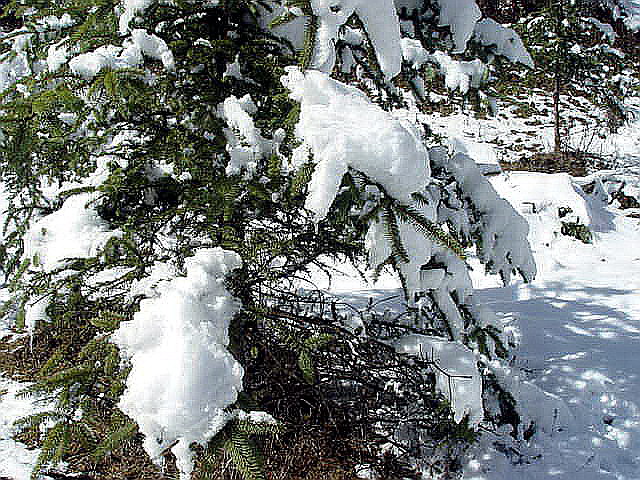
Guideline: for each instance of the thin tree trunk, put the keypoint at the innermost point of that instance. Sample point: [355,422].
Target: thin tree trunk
[557,148]
[557,75]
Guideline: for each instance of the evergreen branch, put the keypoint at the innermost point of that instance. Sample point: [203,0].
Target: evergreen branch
[310,39]
[429,229]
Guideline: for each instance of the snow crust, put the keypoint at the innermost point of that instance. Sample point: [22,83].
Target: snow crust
[457,375]
[183,377]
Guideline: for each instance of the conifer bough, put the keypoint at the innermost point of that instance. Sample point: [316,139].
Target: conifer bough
[172,174]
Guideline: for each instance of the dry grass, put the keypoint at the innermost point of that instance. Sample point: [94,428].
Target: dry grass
[571,163]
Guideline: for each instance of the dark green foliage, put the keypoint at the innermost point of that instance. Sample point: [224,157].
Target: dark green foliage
[238,442]
[304,363]
[82,384]
[576,230]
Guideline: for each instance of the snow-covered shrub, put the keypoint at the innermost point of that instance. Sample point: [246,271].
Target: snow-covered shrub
[173,173]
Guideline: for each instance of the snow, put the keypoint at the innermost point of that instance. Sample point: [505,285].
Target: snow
[484,154]
[413,52]
[13,67]
[57,55]
[132,8]
[576,374]
[73,231]
[461,17]
[183,377]
[154,47]
[337,122]
[503,246]
[244,143]
[545,195]
[381,24]
[57,23]
[607,30]
[631,17]
[575,378]
[457,375]
[580,322]
[16,461]
[506,41]
[88,65]
[460,75]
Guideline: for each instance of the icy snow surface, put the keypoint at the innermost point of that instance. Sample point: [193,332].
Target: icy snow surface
[183,377]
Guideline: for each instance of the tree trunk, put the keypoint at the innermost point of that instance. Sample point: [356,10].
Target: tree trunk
[557,73]
[557,147]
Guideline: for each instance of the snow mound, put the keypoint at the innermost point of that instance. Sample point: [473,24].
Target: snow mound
[183,377]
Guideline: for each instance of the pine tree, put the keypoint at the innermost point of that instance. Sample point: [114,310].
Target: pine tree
[168,164]
[575,55]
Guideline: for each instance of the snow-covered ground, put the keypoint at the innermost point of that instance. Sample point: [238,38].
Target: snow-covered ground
[580,324]
[511,136]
